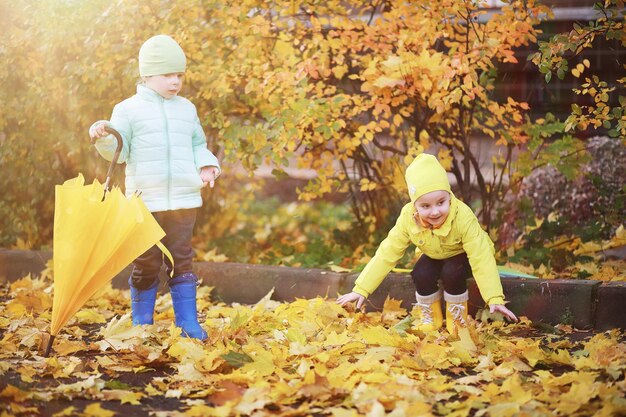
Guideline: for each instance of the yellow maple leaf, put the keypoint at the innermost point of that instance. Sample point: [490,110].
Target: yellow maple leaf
[212,359]
[90,316]
[343,412]
[213,256]
[186,349]
[466,341]
[588,247]
[334,339]
[66,412]
[15,309]
[533,353]
[337,268]
[252,399]
[296,348]
[434,355]
[22,244]
[562,356]
[96,410]
[512,387]
[315,386]
[124,396]
[510,366]
[508,409]
[263,361]
[201,410]
[186,371]
[35,301]
[66,347]
[119,334]
[579,394]
[14,393]
[378,335]
[465,348]
[392,309]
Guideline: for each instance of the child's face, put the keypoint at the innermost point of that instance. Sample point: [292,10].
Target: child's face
[167,85]
[433,207]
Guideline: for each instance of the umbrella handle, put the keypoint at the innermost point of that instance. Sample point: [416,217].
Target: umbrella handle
[116,155]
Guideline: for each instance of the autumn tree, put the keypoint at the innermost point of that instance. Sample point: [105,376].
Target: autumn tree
[355,92]
[350,90]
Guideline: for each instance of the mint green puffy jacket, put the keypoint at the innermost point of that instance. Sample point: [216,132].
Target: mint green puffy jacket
[164,149]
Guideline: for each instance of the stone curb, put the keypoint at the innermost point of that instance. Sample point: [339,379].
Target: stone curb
[610,306]
[583,303]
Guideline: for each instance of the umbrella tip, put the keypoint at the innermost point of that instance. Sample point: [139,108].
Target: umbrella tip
[49,339]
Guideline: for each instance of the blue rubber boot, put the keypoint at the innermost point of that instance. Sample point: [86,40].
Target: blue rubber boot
[183,290]
[142,303]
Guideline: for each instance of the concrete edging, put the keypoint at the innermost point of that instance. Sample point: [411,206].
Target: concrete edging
[583,303]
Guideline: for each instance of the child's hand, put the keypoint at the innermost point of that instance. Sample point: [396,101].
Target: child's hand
[209,175]
[500,308]
[350,297]
[97,131]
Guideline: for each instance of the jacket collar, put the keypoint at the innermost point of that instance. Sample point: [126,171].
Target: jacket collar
[445,228]
[149,94]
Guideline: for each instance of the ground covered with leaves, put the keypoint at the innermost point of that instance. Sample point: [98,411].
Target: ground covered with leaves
[308,357]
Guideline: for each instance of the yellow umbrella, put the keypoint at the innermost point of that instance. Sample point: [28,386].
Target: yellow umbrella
[95,238]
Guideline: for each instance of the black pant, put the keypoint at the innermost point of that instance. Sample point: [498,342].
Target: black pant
[178,226]
[453,273]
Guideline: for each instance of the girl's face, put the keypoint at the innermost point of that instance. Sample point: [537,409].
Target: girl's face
[433,208]
[167,85]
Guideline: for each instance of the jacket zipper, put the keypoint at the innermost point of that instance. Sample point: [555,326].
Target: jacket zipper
[167,144]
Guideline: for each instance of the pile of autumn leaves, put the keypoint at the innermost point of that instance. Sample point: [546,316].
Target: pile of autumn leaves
[301,358]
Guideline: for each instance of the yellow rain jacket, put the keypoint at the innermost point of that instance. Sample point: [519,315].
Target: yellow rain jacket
[461,232]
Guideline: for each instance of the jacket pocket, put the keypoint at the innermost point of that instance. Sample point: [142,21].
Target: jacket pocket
[198,183]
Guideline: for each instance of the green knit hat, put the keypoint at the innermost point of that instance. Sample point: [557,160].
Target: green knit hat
[161,55]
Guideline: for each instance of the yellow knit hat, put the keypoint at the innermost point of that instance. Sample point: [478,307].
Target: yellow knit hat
[424,175]
[161,55]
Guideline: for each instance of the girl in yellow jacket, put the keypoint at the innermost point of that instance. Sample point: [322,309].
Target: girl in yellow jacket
[453,247]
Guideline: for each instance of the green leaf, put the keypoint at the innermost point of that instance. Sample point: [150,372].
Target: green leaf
[403,325]
[239,320]
[236,359]
[117,385]
[548,76]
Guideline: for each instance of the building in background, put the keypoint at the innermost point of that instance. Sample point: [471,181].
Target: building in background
[524,82]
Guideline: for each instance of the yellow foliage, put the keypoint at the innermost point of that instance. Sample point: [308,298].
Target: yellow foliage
[316,354]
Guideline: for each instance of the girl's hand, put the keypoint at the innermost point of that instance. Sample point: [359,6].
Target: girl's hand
[97,131]
[350,297]
[208,175]
[500,308]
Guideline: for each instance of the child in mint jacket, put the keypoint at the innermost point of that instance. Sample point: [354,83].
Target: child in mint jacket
[168,163]
[453,246]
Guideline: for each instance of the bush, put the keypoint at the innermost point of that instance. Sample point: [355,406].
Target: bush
[595,199]
[555,215]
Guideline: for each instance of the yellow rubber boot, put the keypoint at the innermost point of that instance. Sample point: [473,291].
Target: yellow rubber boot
[430,314]
[456,311]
